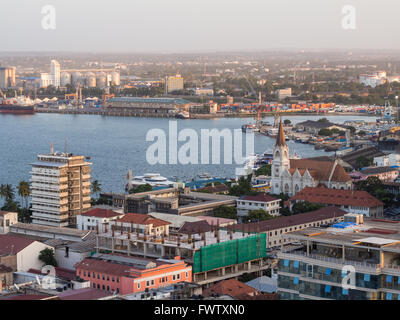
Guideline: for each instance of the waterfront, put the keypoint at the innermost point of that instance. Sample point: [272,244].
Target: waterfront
[116,144]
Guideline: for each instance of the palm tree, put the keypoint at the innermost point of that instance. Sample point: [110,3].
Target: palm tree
[7,192]
[24,192]
[96,187]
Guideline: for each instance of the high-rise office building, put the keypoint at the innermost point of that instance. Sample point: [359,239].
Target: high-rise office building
[7,77]
[60,187]
[174,83]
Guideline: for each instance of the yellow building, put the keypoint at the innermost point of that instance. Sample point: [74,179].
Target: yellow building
[60,187]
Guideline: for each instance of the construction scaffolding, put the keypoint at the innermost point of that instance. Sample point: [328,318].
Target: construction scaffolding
[230,253]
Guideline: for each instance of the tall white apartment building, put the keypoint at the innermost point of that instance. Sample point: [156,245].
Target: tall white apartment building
[60,187]
[53,78]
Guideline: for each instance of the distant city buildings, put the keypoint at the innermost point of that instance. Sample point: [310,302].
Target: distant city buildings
[377,78]
[53,78]
[7,77]
[283,93]
[60,188]
[174,83]
[89,79]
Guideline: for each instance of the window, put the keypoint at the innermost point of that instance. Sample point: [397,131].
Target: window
[328,271]
[295,280]
[104,287]
[286,263]
[152,282]
[187,275]
[179,276]
[113,279]
[173,278]
[389,296]
[147,283]
[345,292]
[327,289]
[138,285]
[296,264]
[389,279]
[367,277]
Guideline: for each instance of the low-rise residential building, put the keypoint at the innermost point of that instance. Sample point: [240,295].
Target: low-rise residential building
[142,224]
[125,275]
[261,201]
[7,219]
[97,218]
[276,228]
[20,253]
[364,251]
[352,201]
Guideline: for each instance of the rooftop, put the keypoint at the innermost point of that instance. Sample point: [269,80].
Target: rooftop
[24,227]
[323,195]
[231,287]
[12,244]
[298,219]
[262,197]
[143,219]
[377,170]
[101,213]
[373,233]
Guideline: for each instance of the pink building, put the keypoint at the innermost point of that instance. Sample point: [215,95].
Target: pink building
[125,275]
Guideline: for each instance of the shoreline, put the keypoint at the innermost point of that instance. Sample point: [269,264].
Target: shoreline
[202,116]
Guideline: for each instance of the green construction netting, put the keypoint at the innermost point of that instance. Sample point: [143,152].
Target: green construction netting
[230,252]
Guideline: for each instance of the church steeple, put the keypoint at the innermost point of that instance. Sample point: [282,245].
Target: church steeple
[280,139]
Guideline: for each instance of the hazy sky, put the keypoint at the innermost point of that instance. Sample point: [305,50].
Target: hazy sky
[197,25]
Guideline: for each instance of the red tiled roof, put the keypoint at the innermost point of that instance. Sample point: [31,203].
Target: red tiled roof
[95,265]
[83,294]
[322,195]
[231,287]
[261,197]
[320,170]
[137,218]
[11,245]
[101,213]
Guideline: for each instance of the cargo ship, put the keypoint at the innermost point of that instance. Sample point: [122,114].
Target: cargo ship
[17,105]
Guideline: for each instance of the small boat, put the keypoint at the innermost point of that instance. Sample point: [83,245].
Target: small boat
[183,115]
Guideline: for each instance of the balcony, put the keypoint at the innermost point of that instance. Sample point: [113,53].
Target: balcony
[328,261]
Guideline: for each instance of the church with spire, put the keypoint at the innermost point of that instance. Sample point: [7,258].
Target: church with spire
[289,176]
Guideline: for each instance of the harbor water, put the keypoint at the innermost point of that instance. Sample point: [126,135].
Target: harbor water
[117,144]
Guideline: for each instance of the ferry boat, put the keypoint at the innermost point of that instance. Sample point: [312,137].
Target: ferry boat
[153,179]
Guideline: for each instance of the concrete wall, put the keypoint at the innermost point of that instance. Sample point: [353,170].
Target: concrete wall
[28,258]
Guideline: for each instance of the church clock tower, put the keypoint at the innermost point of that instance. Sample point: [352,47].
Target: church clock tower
[280,162]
